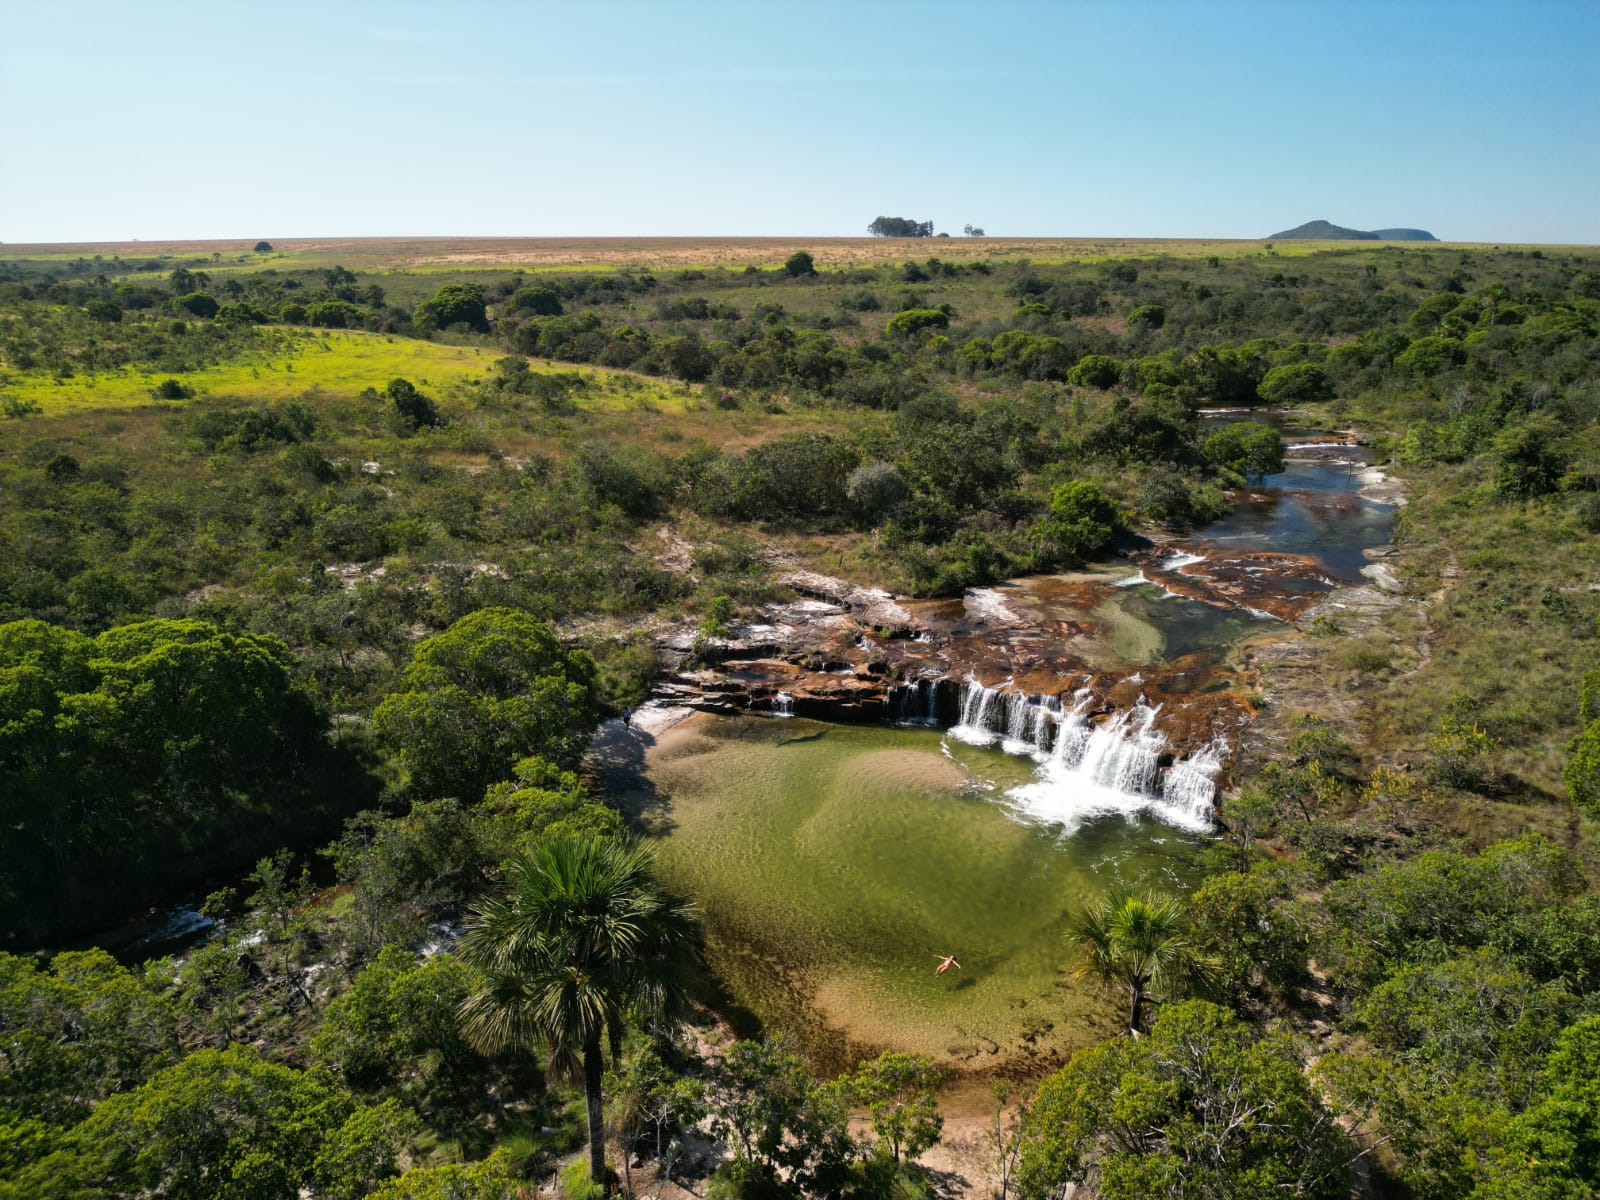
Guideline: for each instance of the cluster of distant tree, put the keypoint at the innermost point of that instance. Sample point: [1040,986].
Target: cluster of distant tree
[905,227]
[900,227]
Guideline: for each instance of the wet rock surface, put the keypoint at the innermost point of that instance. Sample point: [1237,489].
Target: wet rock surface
[843,653]
[1182,625]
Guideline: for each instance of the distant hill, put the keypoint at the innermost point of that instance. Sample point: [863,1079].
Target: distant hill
[1327,231]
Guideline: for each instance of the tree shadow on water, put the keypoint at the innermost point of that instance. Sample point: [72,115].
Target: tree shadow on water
[616,769]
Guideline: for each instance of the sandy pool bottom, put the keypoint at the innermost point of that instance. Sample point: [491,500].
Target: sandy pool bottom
[835,865]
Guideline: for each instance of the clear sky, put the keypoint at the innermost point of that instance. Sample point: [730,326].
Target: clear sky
[166,119]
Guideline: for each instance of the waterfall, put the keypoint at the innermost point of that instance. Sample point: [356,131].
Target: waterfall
[783,705]
[1191,784]
[1088,769]
[916,703]
[1045,717]
[977,702]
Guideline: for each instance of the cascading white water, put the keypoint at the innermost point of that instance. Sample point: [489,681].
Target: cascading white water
[1022,725]
[783,705]
[1087,769]
[1045,716]
[976,701]
[1191,783]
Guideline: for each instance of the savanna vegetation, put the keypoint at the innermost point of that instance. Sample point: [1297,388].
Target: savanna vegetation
[315,582]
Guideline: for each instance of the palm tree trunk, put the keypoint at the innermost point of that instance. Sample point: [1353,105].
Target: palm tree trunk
[1136,992]
[591,1099]
[615,1031]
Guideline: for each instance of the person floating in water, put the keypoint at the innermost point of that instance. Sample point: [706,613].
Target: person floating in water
[946,961]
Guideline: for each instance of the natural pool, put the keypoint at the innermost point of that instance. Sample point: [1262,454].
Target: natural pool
[834,865]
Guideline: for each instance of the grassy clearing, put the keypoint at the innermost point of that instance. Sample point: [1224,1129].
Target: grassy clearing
[336,361]
[1513,618]
[333,362]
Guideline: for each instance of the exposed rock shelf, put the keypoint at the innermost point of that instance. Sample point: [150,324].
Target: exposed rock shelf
[845,653]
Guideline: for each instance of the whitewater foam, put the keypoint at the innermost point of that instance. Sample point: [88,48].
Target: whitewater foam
[1088,769]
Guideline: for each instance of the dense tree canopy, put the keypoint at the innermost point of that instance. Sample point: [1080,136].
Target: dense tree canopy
[76,1032]
[454,304]
[133,758]
[494,688]
[228,1125]
[1203,1107]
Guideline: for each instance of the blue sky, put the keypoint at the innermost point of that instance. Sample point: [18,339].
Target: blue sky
[163,119]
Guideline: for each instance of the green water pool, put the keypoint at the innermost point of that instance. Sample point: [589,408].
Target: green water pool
[834,865]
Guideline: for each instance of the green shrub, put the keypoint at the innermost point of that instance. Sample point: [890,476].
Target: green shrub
[1147,316]
[243,314]
[539,301]
[576,1184]
[875,490]
[741,1179]
[333,314]
[1096,371]
[1429,355]
[1460,748]
[413,409]
[198,303]
[1135,1117]
[1582,772]
[1248,447]
[1296,383]
[1527,462]
[1255,940]
[1167,498]
[1589,697]
[915,320]
[1032,355]
[453,304]
[1082,519]
[172,389]
[718,613]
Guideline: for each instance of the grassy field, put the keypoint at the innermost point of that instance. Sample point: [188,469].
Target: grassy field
[335,362]
[591,254]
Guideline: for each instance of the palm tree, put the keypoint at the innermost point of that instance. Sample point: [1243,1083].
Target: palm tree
[1136,942]
[581,937]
